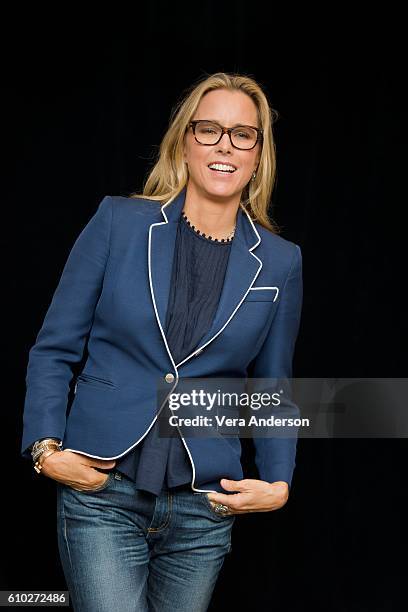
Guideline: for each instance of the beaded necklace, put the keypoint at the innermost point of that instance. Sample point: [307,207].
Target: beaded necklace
[229,238]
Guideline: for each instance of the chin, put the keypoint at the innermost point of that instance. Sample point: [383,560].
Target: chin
[220,192]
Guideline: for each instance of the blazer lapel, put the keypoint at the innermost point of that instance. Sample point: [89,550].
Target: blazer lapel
[162,241]
[242,269]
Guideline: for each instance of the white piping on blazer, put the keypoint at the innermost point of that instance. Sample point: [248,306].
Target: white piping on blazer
[276,289]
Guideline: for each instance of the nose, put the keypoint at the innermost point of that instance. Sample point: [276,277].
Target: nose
[225,143]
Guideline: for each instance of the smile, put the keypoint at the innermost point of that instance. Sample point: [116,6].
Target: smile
[222,168]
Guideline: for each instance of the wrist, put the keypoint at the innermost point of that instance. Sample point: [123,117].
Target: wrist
[42,449]
[281,485]
[40,461]
[280,482]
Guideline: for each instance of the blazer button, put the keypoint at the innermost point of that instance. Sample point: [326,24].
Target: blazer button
[169,377]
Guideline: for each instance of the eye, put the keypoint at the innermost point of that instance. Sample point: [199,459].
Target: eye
[207,128]
[244,135]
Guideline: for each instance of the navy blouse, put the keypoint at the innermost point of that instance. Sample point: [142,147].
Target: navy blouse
[199,266]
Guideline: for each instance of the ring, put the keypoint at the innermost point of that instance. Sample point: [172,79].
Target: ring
[221,508]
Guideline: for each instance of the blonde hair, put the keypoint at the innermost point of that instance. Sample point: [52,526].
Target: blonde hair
[169,174]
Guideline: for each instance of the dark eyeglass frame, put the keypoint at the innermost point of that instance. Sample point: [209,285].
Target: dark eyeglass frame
[225,130]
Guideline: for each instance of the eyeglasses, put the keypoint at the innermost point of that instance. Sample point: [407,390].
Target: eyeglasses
[210,133]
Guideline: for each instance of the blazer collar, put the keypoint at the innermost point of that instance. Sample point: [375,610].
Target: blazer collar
[242,269]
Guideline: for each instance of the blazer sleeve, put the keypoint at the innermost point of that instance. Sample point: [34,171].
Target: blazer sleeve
[275,456]
[61,340]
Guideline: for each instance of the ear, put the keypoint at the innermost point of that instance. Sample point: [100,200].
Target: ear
[257,160]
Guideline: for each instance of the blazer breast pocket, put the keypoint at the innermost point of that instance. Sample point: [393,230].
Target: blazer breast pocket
[262,294]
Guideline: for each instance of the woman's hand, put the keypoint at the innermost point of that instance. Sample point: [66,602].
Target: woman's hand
[252,495]
[76,470]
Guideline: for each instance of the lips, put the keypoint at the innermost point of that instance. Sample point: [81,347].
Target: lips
[221,171]
[223,167]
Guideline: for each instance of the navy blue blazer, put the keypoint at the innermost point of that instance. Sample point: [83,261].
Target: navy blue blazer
[111,302]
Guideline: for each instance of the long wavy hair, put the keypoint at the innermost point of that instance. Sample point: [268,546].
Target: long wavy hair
[169,174]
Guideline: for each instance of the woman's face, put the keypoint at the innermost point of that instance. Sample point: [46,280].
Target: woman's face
[229,109]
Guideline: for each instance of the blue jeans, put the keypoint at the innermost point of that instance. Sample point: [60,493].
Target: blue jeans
[128,550]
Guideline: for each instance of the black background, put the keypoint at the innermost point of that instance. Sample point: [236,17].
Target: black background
[86,101]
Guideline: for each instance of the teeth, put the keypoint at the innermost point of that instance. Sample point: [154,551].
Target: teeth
[223,167]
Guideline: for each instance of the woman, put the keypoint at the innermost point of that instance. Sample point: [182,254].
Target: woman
[188,279]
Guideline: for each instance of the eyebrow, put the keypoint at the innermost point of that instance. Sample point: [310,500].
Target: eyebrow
[216,121]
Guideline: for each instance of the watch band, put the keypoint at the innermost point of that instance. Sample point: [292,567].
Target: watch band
[40,445]
[39,463]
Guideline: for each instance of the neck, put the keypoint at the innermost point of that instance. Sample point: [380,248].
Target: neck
[213,217]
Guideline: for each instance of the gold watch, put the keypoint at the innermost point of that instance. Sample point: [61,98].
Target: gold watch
[44,448]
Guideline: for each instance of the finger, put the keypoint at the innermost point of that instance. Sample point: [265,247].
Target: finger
[100,463]
[222,498]
[232,485]
[92,461]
